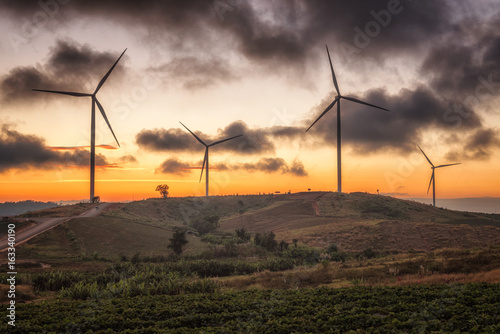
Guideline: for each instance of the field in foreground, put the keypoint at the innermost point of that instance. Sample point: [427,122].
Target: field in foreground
[309,262]
[471,308]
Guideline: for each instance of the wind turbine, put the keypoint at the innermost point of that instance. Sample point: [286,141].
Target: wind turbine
[92,122]
[337,100]
[433,176]
[205,159]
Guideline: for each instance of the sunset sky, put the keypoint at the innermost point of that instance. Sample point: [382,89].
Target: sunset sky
[257,68]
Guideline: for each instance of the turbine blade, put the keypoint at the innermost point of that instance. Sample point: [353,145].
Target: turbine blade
[107,74]
[61,92]
[221,141]
[105,118]
[197,138]
[458,163]
[204,163]
[425,156]
[430,182]
[324,112]
[359,101]
[333,73]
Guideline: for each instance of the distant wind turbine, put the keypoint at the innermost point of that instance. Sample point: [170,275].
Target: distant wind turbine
[433,176]
[337,100]
[92,123]
[205,159]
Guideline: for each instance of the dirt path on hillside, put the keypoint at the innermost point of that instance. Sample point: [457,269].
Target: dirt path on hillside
[45,224]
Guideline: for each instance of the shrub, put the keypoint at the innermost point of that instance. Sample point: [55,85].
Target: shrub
[332,249]
[266,240]
[178,241]
[242,234]
[205,224]
[368,253]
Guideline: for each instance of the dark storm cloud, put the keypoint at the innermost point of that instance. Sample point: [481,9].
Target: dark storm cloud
[19,150]
[274,32]
[174,166]
[196,73]
[463,76]
[166,140]
[17,85]
[127,159]
[367,129]
[70,60]
[275,165]
[297,168]
[253,141]
[70,67]
[266,165]
[459,56]
[468,63]
[379,26]
[477,146]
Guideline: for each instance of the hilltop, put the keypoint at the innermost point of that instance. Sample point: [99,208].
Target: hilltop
[354,222]
[323,242]
[357,221]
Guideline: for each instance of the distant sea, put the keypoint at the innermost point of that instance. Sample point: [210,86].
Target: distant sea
[478,204]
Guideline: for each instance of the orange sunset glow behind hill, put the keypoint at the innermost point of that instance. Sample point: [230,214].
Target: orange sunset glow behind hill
[258,69]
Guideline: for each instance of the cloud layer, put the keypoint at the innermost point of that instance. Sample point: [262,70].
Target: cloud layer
[456,46]
[70,67]
[22,151]
[266,165]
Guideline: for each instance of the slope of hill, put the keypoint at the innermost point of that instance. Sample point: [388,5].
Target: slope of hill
[354,222]
[129,228]
[357,221]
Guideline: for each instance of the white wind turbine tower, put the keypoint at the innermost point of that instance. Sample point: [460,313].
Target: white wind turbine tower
[433,176]
[92,122]
[339,138]
[205,159]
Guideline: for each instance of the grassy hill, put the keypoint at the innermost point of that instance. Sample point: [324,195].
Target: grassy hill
[354,222]
[383,244]
[357,221]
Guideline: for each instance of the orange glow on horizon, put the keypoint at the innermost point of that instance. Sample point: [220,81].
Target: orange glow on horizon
[72,148]
[114,183]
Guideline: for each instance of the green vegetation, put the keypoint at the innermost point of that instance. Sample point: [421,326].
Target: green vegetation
[178,241]
[288,263]
[205,224]
[471,308]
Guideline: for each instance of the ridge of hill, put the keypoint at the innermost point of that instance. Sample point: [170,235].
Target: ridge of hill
[354,222]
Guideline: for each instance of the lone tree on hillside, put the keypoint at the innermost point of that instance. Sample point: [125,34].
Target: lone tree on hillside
[163,189]
[178,241]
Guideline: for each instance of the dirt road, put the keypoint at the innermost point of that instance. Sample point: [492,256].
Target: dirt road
[44,224]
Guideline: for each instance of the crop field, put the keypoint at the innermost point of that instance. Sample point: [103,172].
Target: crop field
[293,263]
[471,308]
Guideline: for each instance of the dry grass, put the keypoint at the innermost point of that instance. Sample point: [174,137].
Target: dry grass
[60,211]
[24,293]
[357,221]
